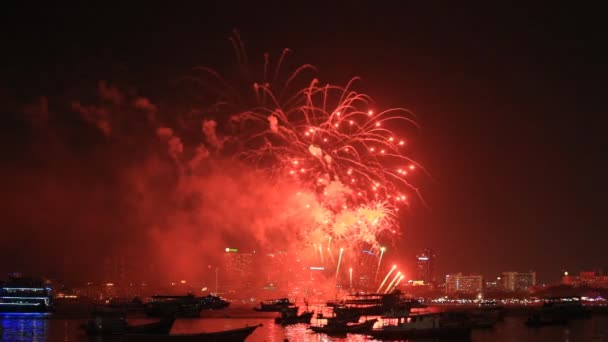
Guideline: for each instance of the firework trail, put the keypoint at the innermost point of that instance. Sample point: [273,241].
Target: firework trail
[339,262]
[398,281]
[390,285]
[321,254]
[386,277]
[382,250]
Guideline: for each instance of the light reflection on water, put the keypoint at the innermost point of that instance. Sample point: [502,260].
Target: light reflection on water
[40,328]
[24,327]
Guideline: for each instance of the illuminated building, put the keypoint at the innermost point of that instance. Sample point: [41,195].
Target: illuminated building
[238,270]
[495,284]
[518,281]
[425,266]
[451,283]
[459,283]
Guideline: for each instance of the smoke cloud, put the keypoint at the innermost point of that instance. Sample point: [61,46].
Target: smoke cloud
[103,181]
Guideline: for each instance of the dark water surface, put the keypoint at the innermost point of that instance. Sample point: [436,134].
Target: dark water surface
[28,328]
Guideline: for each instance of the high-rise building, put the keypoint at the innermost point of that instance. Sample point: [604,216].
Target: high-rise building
[508,280]
[237,271]
[469,284]
[451,283]
[425,266]
[495,284]
[518,281]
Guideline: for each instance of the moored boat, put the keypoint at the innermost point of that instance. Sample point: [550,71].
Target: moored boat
[274,305]
[373,304]
[106,322]
[25,295]
[431,325]
[340,327]
[290,316]
[161,327]
[233,335]
[112,322]
[210,302]
[178,306]
[133,304]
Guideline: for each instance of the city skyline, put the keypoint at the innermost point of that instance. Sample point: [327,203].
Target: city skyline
[236,264]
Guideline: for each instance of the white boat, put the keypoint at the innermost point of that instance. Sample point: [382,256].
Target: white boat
[430,325]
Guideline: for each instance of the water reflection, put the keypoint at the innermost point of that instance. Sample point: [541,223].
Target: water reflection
[24,327]
[18,328]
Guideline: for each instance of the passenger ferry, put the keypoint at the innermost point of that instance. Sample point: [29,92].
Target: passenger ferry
[25,295]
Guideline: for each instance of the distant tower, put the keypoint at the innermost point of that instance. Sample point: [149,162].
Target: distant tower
[425,266]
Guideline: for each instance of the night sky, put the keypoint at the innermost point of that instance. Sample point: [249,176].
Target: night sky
[511,103]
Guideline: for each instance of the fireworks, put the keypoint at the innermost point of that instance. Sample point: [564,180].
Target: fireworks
[347,159]
[339,262]
[382,250]
[386,278]
[390,285]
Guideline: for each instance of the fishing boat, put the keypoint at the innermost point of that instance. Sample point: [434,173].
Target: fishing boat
[112,322]
[290,316]
[340,327]
[428,325]
[274,305]
[210,302]
[233,335]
